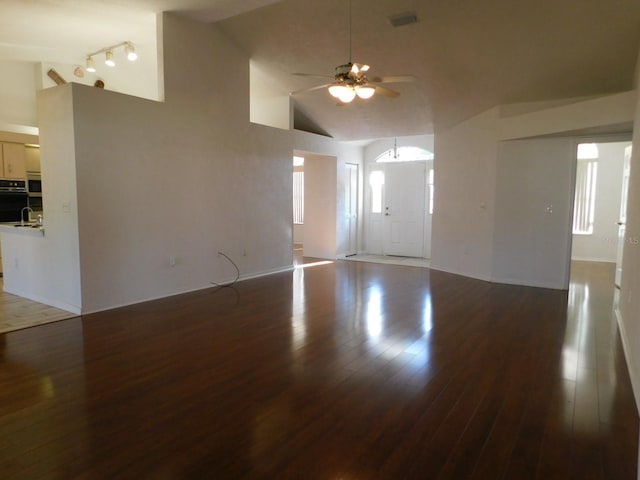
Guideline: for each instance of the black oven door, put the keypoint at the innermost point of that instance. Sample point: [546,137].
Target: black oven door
[11,205]
[34,186]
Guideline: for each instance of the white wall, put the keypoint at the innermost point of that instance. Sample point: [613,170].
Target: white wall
[133,186]
[269,104]
[463,218]
[629,307]
[320,194]
[183,179]
[17,94]
[48,268]
[465,177]
[602,244]
[591,113]
[298,233]
[533,208]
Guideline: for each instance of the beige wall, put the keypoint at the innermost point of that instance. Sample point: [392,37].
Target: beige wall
[464,179]
[163,187]
[467,179]
[630,288]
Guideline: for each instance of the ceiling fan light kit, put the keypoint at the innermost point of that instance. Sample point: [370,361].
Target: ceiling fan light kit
[365,91]
[350,80]
[344,93]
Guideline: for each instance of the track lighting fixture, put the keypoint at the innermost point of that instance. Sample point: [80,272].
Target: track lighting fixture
[91,65]
[109,62]
[132,56]
[109,55]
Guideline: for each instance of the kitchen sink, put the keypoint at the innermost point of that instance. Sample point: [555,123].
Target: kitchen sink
[27,225]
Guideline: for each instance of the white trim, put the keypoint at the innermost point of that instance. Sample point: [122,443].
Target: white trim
[593,259]
[462,274]
[189,290]
[46,301]
[633,373]
[525,283]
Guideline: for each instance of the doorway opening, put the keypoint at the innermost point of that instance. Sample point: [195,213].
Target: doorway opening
[599,212]
[399,203]
[315,206]
[298,208]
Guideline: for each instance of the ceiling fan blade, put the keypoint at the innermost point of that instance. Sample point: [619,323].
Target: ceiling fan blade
[315,75]
[393,79]
[387,92]
[310,89]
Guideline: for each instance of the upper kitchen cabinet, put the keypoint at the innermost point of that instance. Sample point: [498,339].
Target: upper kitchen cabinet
[32,153]
[14,160]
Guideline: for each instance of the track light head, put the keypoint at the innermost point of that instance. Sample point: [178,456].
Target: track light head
[91,65]
[109,59]
[108,52]
[132,56]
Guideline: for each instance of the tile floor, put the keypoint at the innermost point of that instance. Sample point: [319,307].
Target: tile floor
[17,312]
[391,260]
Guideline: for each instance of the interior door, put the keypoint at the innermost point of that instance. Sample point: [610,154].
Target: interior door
[404,194]
[351,214]
[623,214]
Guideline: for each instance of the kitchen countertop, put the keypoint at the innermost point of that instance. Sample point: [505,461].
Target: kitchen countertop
[29,228]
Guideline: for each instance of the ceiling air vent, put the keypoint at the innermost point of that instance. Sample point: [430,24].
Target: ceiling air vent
[403,19]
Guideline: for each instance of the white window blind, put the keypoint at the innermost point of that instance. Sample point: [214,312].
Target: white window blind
[376,181]
[430,185]
[585,199]
[298,197]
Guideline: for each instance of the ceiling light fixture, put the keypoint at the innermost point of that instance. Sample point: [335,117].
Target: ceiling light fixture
[344,93]
[109,55]
[351,78]
[132,56]
[91,65]
[109,59]
[365,91]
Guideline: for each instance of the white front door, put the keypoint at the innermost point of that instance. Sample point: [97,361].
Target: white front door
[404,204]
[351,207]
[623,214]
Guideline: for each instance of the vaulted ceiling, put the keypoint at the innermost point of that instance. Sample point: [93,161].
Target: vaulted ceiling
[466,56]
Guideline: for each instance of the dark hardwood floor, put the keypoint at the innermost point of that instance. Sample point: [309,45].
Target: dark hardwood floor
[344,370]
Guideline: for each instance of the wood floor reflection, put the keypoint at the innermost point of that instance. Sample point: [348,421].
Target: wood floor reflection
[336,370]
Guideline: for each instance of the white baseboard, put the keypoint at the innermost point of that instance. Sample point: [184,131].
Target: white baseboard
[462,274]
[189,290]
[52,302]
[593,259]
[633,370]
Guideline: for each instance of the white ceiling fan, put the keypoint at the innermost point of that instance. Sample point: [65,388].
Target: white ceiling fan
[350,80]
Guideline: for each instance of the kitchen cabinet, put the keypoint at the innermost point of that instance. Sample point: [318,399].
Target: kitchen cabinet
[32,154]
[14,160]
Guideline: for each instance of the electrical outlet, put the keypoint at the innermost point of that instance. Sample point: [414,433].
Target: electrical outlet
[244,252]
[172,261]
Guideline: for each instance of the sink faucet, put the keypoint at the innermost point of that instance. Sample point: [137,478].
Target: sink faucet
[28,209]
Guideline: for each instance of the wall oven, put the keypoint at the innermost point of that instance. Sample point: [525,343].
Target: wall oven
[34,191]
[34,184]
[13,198]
